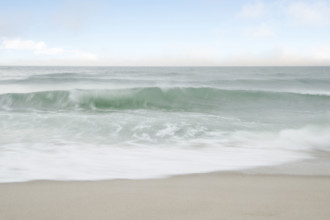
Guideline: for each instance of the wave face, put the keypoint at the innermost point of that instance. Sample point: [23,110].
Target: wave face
[179,99]
[79,123]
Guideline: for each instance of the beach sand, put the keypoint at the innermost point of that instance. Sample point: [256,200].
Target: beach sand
[204,196]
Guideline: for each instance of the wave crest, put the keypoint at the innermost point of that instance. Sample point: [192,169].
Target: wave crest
[175,98]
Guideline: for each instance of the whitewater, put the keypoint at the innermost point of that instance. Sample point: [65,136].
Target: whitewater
[93,123]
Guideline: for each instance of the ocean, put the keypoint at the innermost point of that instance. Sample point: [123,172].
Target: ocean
[93,123]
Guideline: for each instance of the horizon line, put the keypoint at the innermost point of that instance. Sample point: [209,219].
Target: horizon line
[18,65]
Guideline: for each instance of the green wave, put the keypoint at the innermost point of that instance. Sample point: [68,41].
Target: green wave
[176,98]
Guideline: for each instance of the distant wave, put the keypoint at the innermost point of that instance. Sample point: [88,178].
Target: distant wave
[75,77]
[173,98]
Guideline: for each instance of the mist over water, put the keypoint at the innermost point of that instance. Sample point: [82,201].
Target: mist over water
[89,123]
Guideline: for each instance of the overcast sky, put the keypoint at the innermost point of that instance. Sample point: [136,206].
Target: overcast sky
[165,32]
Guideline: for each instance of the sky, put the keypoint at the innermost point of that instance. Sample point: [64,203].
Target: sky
[165,32]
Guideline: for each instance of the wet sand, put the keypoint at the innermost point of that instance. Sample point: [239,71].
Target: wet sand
[205,196]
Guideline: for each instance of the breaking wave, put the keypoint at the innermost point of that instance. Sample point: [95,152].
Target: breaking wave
[175,98]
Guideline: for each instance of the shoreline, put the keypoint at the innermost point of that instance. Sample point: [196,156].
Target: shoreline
[196,196]
[318,166]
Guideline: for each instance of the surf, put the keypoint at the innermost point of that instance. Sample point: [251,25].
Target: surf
[158,98]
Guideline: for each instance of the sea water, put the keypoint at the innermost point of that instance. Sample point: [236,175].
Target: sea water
[91,123]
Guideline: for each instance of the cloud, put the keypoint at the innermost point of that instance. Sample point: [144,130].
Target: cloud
[273,56]
[282,56]
[50,51]
[261,31]
[41,48]
[84,55]
[19,44]
[316,14]
[321,52]
[186,55]
[255,10]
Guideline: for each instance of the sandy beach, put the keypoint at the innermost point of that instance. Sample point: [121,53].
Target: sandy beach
[205,196]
